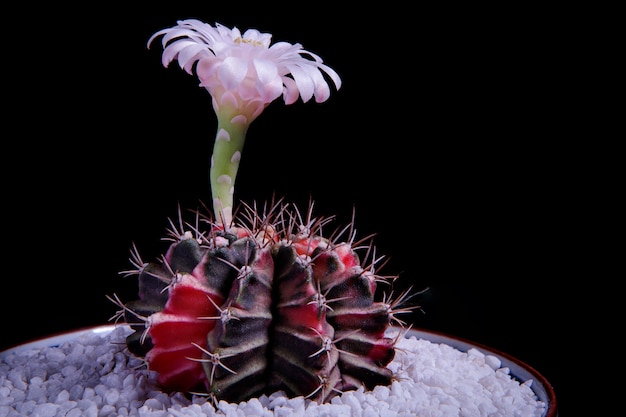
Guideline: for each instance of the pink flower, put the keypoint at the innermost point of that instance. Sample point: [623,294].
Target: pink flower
[244,73]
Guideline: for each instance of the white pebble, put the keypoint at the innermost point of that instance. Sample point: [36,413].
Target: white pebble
[93,377]
[55,354]
[74,412]
[493,361]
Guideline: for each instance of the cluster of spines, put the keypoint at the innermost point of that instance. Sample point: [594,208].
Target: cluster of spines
[266,305]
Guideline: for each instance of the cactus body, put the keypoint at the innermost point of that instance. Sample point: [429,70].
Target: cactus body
[265,306]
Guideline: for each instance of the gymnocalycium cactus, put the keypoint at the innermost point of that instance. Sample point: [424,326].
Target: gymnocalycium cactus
[256,301]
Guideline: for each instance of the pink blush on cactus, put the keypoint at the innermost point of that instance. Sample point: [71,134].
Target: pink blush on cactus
[172,331]
[188,297]
[175,370]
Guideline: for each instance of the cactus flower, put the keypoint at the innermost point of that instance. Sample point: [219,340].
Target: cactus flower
[243,74]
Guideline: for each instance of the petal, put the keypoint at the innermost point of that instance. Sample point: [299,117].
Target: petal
[266,70]
[206,69]
[332,74]
[322,92]
[290,91]
[269,82]
[170,52]
[270,91]
[192,53]
[232,72]
[321,89]
[303,82]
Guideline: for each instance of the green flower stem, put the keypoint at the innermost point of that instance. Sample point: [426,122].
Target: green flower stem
[229,141]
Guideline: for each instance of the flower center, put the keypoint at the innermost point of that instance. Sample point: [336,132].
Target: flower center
[253,42]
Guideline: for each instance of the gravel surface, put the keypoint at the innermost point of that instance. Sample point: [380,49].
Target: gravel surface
[95,376]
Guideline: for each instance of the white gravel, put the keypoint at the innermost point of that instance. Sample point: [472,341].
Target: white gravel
[94,376]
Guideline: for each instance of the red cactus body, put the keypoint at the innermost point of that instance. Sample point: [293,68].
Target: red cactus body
[261,307]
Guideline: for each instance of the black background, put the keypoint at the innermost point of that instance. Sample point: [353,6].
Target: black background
[443,138]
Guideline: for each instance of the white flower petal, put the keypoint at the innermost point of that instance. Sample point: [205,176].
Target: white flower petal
[266,70]
[290,91]
[232,72]
[170,53]
[269,85]
[332,74]
[206,70]
[190,54]
[321,93]
[303,82]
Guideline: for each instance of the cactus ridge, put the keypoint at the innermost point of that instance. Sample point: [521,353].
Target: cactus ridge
[263,305]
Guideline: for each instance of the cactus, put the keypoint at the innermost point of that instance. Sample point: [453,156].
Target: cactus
[251,303]
[267,305]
